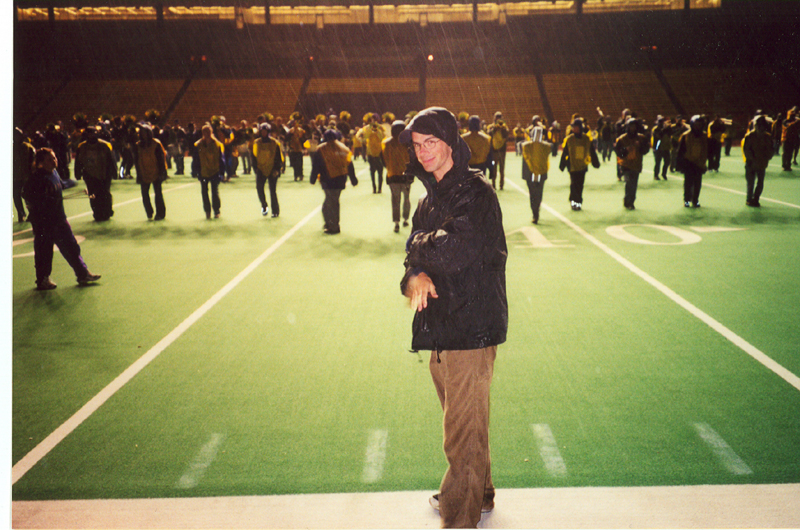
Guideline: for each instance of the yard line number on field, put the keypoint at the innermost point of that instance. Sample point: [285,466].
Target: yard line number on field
[745,346]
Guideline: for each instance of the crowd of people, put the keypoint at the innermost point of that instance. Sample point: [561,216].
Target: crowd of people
[117,147]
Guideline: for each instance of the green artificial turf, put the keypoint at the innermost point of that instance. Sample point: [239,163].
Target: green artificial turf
[286,378]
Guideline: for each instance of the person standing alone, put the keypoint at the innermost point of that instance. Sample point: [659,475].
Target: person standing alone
[50,227]
[455,280]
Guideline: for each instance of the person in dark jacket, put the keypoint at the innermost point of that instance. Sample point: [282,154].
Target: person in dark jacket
[692,160]
[42,192]
[455,279]
[332,164]
[95,164]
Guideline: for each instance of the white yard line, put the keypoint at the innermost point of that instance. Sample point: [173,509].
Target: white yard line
[742,344]
[724,453]
[375,456]
[47,445]
[548,450]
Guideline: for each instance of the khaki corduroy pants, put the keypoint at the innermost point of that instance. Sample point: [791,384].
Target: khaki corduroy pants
[463,379]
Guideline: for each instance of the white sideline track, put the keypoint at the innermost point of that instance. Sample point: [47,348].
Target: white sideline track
[728,506]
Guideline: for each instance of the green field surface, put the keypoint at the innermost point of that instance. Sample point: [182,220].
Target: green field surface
[659,346]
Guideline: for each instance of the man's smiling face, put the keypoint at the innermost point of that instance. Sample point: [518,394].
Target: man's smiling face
[433,153]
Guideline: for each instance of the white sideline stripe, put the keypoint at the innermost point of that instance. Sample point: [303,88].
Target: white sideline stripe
[84,214]
[724,506]
[47,445]
[198,467]
[548,450]
[375,456]
[727,457]
[738,341]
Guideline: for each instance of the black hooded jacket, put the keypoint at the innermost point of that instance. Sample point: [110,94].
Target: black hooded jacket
[458,240]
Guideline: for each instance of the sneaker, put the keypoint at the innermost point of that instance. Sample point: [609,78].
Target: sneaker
[434,500]
[216,215]
[45,284]
[696,205]
[274,214]
[265,210]
[208,215]
[405,223]
[88,278]
[687,204]
[578,206]
[397,227]
[629,207]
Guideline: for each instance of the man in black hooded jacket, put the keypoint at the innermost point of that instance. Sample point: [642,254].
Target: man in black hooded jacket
[455,278]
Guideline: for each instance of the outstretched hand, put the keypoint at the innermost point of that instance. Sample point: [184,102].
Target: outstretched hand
[418,289]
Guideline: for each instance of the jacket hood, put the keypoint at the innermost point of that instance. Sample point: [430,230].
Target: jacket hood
[436,121]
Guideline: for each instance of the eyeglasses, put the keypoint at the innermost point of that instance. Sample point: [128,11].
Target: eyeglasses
[428,144]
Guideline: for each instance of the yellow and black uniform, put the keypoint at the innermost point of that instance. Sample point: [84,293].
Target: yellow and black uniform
[332,164]
[295,139]
[535,165]
[267,163]
[151,170]
[498,132]
[208,165]
[480,145]
[577,154]
[373,135]
[396,157]
[631,148]
[757,151]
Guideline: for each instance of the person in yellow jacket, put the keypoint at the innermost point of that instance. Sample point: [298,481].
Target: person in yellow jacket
[498,132]
[757,151]
[208,166]
[480,146]
[395,157]
[267,163]
[151,169]
[332,164]
[519,137]
[535,164]
[373,138]
[692,159]
[576,156]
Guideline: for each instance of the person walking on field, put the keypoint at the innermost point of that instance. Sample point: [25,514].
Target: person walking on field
[151,169]
[396,158]
[95,164]
[332,164]
[455,280]
[535,165]
[631,148]
[208,166]
[757,150]
[692,159]
[578,153]
[50,227]
[267,163]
